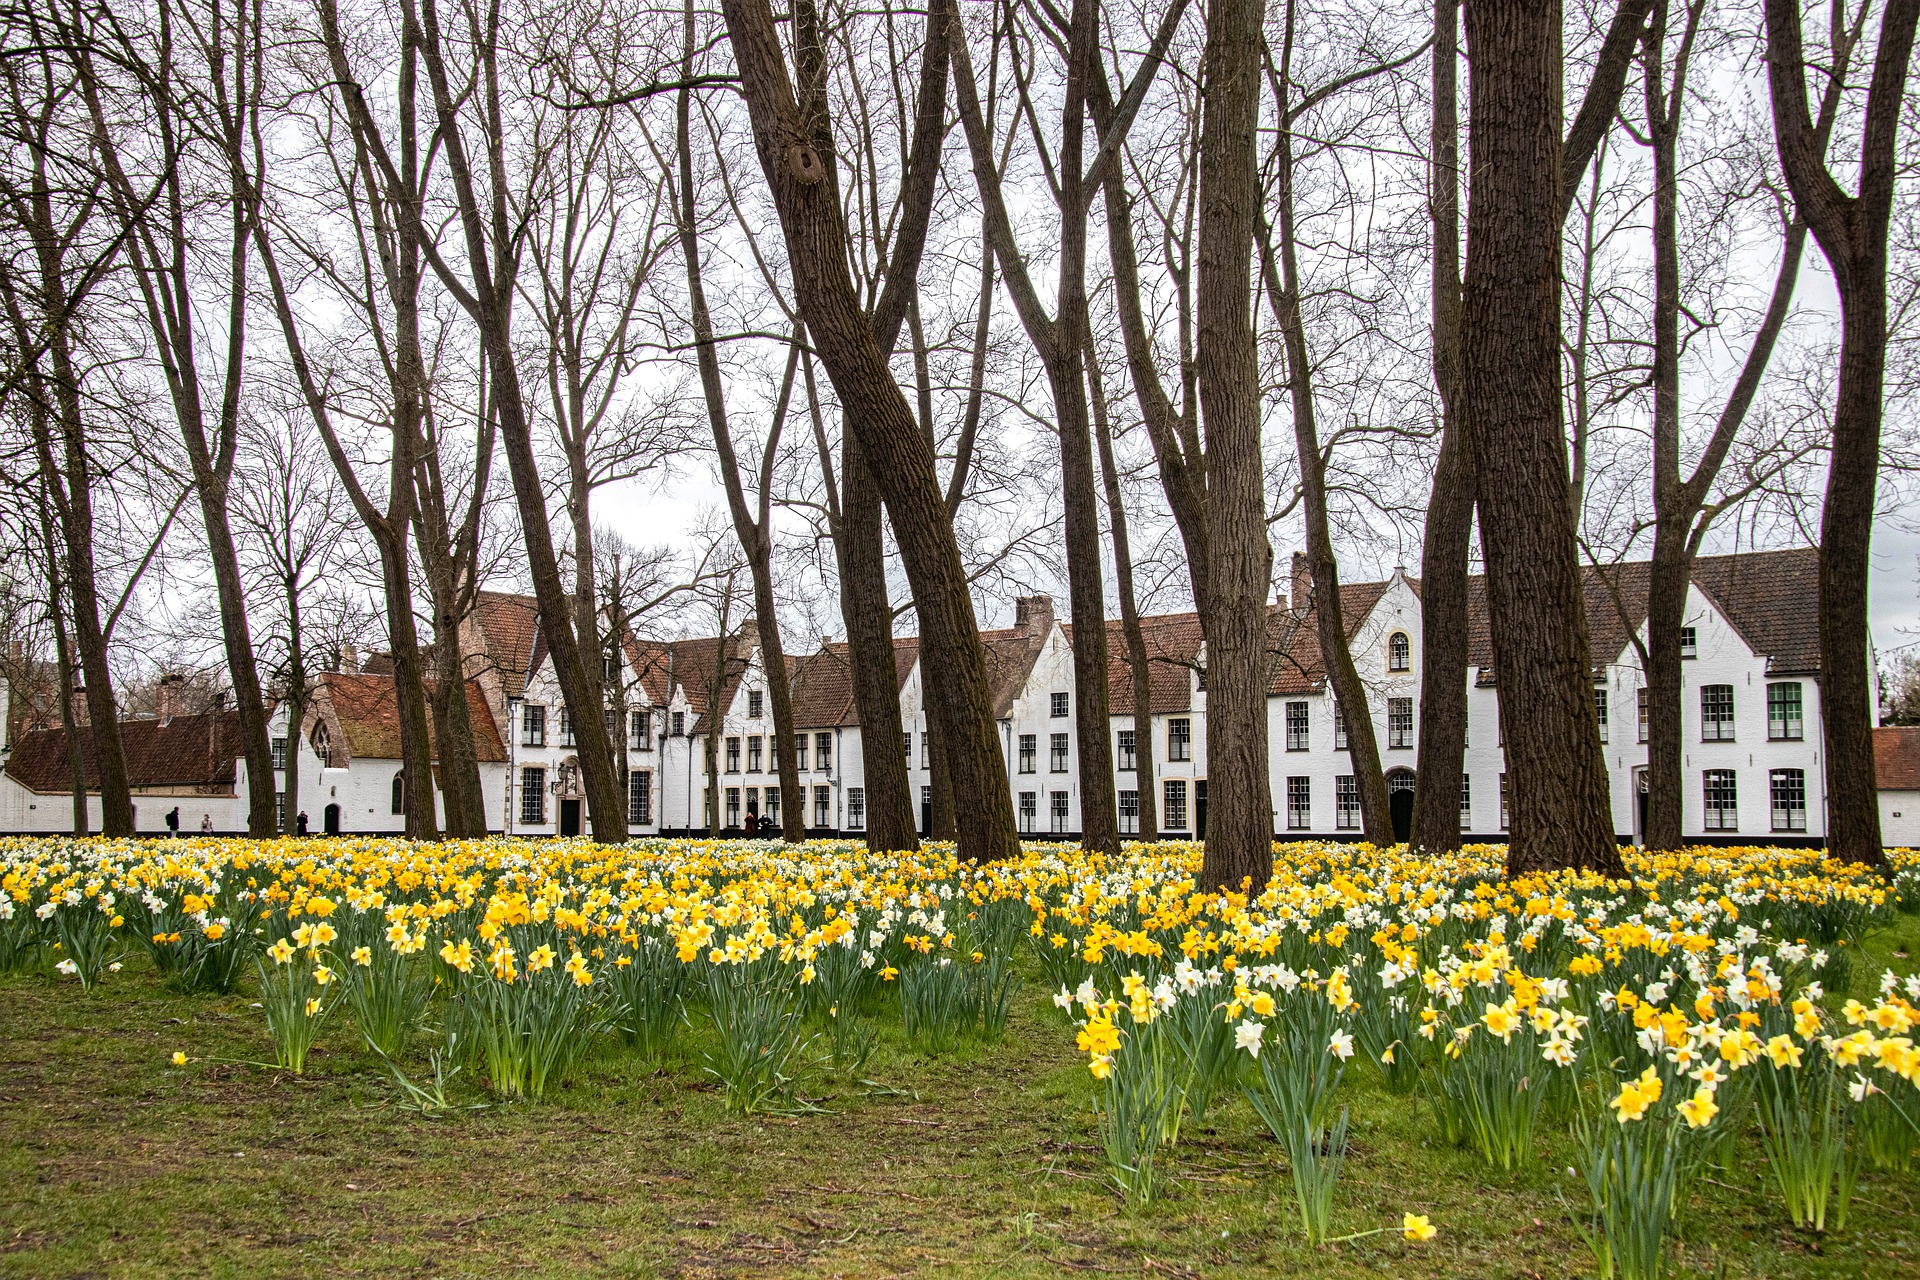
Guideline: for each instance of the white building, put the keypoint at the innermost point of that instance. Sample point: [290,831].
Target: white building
[1751,717]
[1896,768]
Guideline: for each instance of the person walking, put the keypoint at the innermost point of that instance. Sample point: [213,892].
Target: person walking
[300,823]
[206,824]
[173,822]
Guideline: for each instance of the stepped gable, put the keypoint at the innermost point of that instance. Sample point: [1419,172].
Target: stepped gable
[1896,757]
[1772,599]
[507,623]
[365,712]
[195,752]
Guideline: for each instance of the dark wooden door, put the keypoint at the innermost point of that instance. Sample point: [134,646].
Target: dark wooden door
[569,817]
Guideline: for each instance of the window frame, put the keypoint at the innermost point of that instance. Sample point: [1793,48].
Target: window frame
[1173,804]
[1029,811]
[1125,752]
[640,798]
[856,808]
[1399,652]
[1060,705]
[1602,710]
[1300,802]
[1180,738]
[533,795]
[1029,752]
[1296,726]
[1060,810]
[1719,800]
[1127,808]
[1400,724]
[733,754]
[1791,728]
[1346,802]
[1722,725]
[1059,752]
[533,724]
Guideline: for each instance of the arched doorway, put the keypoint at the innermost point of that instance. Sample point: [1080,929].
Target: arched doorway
[331,820]
[1400,784]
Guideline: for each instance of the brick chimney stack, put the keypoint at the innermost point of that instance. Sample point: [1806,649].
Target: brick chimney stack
[1302,585]
[1033,615]
[349,658]
[169,695]
[79,698]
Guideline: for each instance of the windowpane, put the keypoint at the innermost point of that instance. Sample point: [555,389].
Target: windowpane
[1642,700]
[822,806]
[733,755]
[1346,802]
[1129,812]
[1175,804]
[823,753]
[533,795]
[1059,705]
[1784,722]
[1339,727]
[1059,812]
[1716,713]
[566,726]
[1029,809]
[1689,642]
[640,730]
[733,806]
[1124,753]
[800,751]
[1503,802]
[1028,748]
[756,703]
[753,754]
[1399,652]
[279,753]
[857,807]
[1600,710]
[1180,740]
[1466,799]
[1296,726]
[1399,722]
[533,726]
[1299,804]
[1722,800]
[639,798]
[1058,761]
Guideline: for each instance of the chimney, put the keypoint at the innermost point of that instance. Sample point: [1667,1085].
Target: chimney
[168,697]
[1302,582]
[1033,615]
[349,658]
[80,717]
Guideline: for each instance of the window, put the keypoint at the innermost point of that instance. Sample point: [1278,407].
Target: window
[1642,700]
[1028,748]
[1296,726]
[323,745]
[1716,713]
[1059,812]
[733,755]
[857,807]
[1175,804]
[1029,808]
[611,723]
[1339,727]
[906,746]
[640,729]
[533,796]
[679,724]
[566,726]
[822,806]
[1299,804]
[823,753]
[1129,813]
[1466,801]
[1689,642]
[1600,710]
[1180,740]
[756,703]
[1784,722]
[280,752]
[1723,800]
[1399,722]
[279,810]
[1059,705]
[1125,752]
[1346,802]
[639,798]
[610,668]
[533,726]
[753,754]
[1503,802]
[773,754]
[733,806]
[926,749]
[1788,788]
[1399,652]
[770,804]
[1200,679]
[1057,760]
[399,793]
[800,752]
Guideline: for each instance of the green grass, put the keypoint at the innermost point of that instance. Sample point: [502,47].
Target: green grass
[985,1162]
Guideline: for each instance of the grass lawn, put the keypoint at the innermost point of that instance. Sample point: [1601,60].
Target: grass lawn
[115,1163]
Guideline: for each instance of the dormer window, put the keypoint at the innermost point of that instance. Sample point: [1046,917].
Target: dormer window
[1399,652]
[1689,642]
[754,703]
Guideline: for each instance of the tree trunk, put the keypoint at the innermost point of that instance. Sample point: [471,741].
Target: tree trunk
[860,556]
[1448,538]
[1139,672]
[1852,231]
[1239,846]
[1511,409]
[943,820]
[792,151]
[63,663]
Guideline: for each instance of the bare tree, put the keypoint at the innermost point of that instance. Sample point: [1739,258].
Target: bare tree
[1852,231]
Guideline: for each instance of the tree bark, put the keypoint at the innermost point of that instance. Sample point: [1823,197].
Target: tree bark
[794,148]
[1139,672]
[1445,547]
[1511,409]
[1239,845]
[1852,231]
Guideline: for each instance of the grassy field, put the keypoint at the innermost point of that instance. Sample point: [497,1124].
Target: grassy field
[116,1163]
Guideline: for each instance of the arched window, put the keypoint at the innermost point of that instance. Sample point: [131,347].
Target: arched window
[1399,652]
[399,793]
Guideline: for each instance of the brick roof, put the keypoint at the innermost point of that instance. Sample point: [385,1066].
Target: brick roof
[1772,599]
[1173,648]
[186,751]
[1896,757]
[367,714]
[507,623]
[1299,667]
[823,683]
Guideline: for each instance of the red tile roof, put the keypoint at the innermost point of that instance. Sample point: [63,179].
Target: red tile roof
[186,751]
[507,624]
[368,714]
[1896,757]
